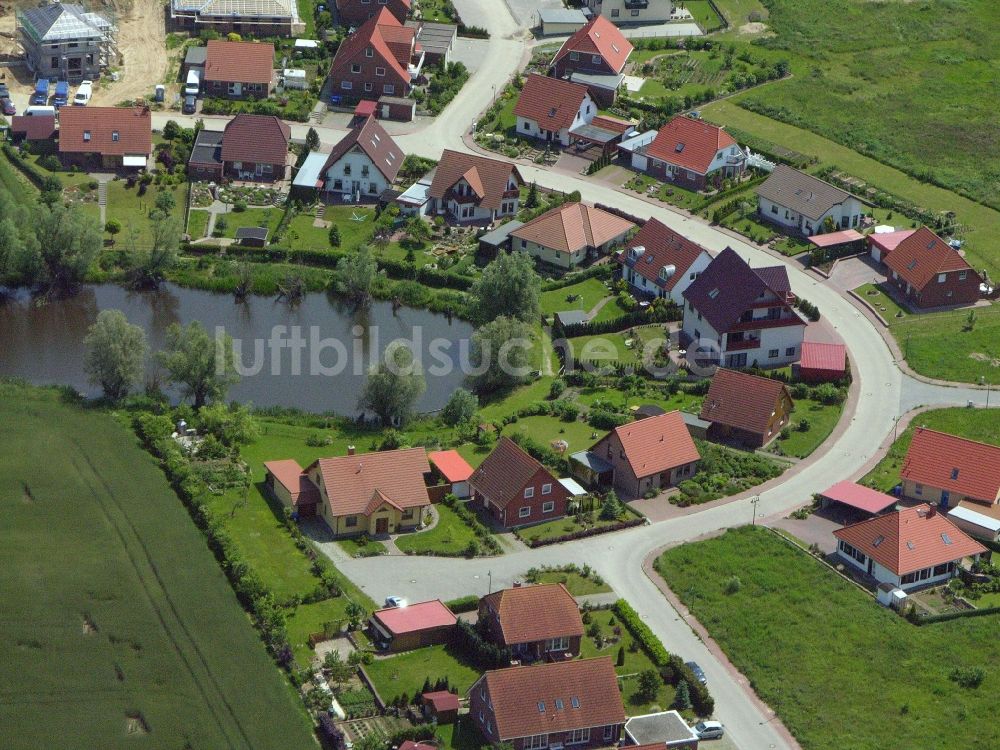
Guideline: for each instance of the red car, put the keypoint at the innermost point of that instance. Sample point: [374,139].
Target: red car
[7,107]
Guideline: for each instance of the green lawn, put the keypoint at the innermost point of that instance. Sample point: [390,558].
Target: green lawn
[545,430]
[886,305]
[197,224]
[406,672]
[569,525]
[449,537]
[838,669]
[624,347]
[584,296]
[822,419]
[252,217]
[307,619]
[114,607]
[132,210]
[703,13]
[976,424]
[362,547]
[575,582]
[940,346]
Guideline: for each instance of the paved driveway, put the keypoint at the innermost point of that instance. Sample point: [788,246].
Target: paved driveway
[851,273]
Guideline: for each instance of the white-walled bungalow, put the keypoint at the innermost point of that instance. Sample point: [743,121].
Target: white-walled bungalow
[570,234]
[801,203]
[548,109]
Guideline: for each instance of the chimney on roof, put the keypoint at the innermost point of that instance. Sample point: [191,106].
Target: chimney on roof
[350,450]
[517,583]
[931,510]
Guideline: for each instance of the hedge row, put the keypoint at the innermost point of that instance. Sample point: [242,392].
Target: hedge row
[641,316]
[29,170]
[601,271]
[584,533]
[468,603]
[930,619]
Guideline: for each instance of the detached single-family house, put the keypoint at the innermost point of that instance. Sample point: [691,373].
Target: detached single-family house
[252,147]
[475,189]
[661,262]
[561,704]
[801,203]
[650,454]
[356,12]
[594,56]
[550,108]
[911,548]
[412,626]
[571,234]
[65,41]
[238,70]
[534,622]
[690,153]
[363,164]
[739,316]
[623,12]
[382,57]
[514,489]
[105,137]
[745,408]
[360,493]
[928,272]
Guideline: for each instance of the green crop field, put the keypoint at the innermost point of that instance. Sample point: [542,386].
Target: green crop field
[117,621]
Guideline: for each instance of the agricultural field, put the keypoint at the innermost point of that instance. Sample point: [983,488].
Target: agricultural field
[880,682]
[106,579]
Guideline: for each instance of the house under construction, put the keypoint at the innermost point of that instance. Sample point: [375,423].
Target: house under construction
[66,42]
[248,17]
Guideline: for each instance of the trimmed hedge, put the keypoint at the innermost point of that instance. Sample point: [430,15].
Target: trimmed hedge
[468,603]
[584,533]
[930,619]
[642,316]
[36,177]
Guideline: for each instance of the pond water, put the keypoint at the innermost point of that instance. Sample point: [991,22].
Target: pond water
[335,344]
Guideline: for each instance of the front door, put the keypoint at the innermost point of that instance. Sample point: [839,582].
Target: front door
[381,525]
[945,497]
[871,566]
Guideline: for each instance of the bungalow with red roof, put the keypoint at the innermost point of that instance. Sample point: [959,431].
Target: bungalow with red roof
[594,56]
[661,262]
[356,12]
[739,316]
[252,147]
[822,362]
[371,493]
[238,70]
[105,137]
[911,548]
[549,109]
[363,164]
[561,704]
[381,58]
[649,455]
[928,272]
[454,470]
[412,626]
[534,622]
[570,235]
[745,408]
[475,189]
[691,153]
[514,489]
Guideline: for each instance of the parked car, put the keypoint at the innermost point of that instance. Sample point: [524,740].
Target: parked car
[83,94]
[4,91]
[395,601]
[699,673]
[41,95]
[709,730]
[190,105]
[7,107]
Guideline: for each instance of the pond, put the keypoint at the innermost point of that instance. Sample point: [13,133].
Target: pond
[324,369]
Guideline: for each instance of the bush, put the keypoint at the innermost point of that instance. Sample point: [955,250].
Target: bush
[239,207]
[733,585]
[967,677]
[468,603]
[556,389]
[641,632]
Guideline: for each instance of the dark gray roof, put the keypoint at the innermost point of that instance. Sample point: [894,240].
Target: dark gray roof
[801,192]
[663,727]
[499,235]
[650,410]
[195,56]
[436,38]
[207,148]
[592,461]
[251,233]
[693,420]
[571,317]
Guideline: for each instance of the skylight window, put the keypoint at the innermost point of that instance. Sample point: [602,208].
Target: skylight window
[679,147]
[954,473]
[559,704]
[575,702]
[541,707]
[878,540]
[552,112]
[945,538]
[910,546]
[912,264]
[714,293]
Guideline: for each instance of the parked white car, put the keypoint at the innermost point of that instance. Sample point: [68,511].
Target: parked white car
[83,94]
[395,601]
[709,730]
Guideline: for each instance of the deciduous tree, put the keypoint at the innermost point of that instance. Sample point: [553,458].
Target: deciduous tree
[394,386]
[202,367]
[507,287]
[115,354]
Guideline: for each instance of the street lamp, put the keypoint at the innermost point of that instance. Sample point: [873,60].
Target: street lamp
[494,93]
[984,381]
[489,573]
[753,501]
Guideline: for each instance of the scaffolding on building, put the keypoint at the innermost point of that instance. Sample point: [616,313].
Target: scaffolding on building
[48,29]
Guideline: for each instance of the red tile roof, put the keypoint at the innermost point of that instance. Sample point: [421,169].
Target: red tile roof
[354,484]
[413,745]
[910,539]
[488,177]
[888,241]
[572,227]
[551,102]
[452,466]
[820,356]
[689,143]
[385,35]
[365,108]
[504,473]
[377,145]
[587,689]
[527,614]
[657,444]
[662,247]
[89,130]
[440,700]
[256,138]
[415,617]
[601,37]
[290,475]
[919,258]
[858,496]
[954,464]
[741,400]
[34,127]
[239,62]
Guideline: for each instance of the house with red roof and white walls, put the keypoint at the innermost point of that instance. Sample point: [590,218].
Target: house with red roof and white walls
[594,56]
[661,262]
[549,108]
[691,153]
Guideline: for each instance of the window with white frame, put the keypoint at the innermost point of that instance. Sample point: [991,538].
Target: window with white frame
[546,488]
[548,506]
[346,85]
[529,492]
[524,511]
[369,52]
[379,70]
[609,733]
[389,88]
[578,737]
[355,67]
[557,644]
[535,742]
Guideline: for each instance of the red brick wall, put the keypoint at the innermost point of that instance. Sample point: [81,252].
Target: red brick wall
[936,294]
[557,494]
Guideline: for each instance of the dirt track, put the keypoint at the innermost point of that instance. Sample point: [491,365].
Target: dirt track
[141,35]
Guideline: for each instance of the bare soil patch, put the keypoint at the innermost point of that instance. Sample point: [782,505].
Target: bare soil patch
[142,54]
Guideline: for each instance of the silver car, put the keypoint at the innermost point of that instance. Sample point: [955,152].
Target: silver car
[709,730]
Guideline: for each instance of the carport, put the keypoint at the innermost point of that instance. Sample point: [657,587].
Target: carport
[602,132]
[855,502]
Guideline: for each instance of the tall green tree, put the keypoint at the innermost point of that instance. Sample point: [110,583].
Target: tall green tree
[501,354]
[507,287]
[67,242]
[115,354]
[203,368]
[357,273]
[312,139]
[149,265]
[393,387]
[461,407]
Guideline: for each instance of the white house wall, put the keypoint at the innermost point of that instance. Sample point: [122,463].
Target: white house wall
[357,161]
[615,11]
[851,209]
[584,115]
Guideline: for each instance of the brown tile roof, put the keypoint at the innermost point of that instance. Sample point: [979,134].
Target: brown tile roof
[656,444]
[741,400]
[551,102]
[34,127]
[601,37]
[378,145]
[86,130]
[503,474]
[241,62]
[357,485]
[488,177]
[922,256]
[535,613]
[689,143]
[572,227]
[381,33]
[587,689]
[662,246]
[954,464]
[801,192]
[290,475]
[910,539]
[256,138]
